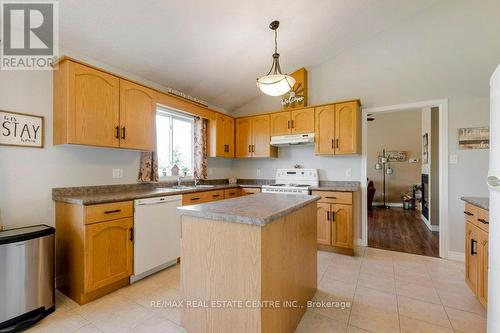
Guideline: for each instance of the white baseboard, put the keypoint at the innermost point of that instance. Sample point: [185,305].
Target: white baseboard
[456,256]
[390,204]
[429,225]
[359,242]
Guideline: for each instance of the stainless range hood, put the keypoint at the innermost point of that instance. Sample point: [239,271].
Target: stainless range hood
[292,140]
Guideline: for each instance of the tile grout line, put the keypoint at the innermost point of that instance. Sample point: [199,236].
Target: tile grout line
[355,289]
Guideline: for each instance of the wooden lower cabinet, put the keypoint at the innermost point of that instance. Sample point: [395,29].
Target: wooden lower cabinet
[476,252]
[249,190]
[335,221]
[94,249]
[324,226]
[109,253]
[231,193]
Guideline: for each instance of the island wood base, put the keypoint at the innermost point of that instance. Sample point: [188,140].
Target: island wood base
[227,261]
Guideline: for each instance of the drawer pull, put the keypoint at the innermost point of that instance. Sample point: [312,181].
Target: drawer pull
[112,211]
[483,221]
[215,195]
[472,243]
[194,199]
[331,197]
[468,213]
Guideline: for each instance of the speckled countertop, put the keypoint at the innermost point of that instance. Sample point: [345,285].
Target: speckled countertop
[480,202]
[132,194]
[91,195]
[257,209]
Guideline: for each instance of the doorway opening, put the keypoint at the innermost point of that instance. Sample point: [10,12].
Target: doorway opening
[405,179]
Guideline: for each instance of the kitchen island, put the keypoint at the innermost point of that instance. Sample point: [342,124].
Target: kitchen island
[248,263]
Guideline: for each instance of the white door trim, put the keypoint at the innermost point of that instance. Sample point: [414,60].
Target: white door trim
[442,104]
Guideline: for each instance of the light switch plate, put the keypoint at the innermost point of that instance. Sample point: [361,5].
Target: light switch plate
[117,173]
[453,159]
[348,172]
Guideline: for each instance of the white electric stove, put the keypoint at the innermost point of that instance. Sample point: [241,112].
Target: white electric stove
[293,181]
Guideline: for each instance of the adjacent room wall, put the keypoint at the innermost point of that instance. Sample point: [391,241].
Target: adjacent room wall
[27,175]
[396,131]
[444,53]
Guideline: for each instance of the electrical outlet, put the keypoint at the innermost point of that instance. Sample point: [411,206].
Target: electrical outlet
[348,172]
[453,159]
[117,173]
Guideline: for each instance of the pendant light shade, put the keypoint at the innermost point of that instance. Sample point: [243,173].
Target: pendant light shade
[275,83]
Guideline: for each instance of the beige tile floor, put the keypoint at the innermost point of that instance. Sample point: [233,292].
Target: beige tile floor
[389,292]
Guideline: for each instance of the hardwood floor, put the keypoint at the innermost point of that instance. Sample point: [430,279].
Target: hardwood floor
[401,230]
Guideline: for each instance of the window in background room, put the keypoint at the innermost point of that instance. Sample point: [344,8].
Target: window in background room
[174,141]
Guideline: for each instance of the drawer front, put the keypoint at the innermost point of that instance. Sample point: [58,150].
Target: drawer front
[483,219]
[249,190]
[471,213]
[334,197]
[202,197]
[231,193]
[195,198]
[108,211]
[215,195]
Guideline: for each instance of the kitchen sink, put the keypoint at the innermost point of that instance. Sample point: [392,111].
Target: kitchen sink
[205,186]
[183,187]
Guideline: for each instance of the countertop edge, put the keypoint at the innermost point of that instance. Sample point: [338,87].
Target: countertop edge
[481,202]
[235,218]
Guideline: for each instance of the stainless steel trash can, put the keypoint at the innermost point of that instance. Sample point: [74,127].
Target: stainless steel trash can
[27,286]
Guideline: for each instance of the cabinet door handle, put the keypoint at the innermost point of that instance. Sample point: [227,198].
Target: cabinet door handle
[253,148]
[112,211]
[333,143]
[333,216]
[472,243]
[123,133]
[288,124]
[468,213]
[328,216]
[131,234]
[483,221]
[249,148]
[117,133]
[337,143]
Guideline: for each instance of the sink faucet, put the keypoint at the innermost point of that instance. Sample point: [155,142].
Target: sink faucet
[179,179]
[196,181]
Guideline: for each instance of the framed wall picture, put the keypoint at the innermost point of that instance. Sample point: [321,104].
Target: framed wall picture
[474,138]
[425,148]
[21,129]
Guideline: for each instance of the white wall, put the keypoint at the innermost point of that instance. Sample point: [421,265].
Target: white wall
[448,52]
[27,175]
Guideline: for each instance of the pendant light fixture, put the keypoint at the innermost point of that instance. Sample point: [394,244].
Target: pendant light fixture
[275,83]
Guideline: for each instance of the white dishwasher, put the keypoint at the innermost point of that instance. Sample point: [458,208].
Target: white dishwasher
[157,235]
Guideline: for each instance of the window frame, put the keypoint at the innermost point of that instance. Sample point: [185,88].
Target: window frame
[174,114]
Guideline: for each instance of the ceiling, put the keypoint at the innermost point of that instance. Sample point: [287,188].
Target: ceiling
[214,50]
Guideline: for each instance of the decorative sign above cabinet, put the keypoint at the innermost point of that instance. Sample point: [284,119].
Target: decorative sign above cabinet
[19,129]
[297,97]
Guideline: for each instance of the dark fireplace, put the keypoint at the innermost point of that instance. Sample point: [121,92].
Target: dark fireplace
[425,196]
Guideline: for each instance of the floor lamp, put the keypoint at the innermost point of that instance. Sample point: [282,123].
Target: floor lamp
[384,164]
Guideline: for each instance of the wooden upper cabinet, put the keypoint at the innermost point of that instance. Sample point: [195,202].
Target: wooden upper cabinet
[222,136]
[325,130]
[108,253]
[137,116]
[324,226]
[229,136]
[302,121]
[261,136]
[347,128]
[243,137]
[86,106]
[342,226]
[280,123]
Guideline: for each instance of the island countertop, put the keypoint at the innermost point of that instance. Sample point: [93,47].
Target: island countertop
[258,209]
